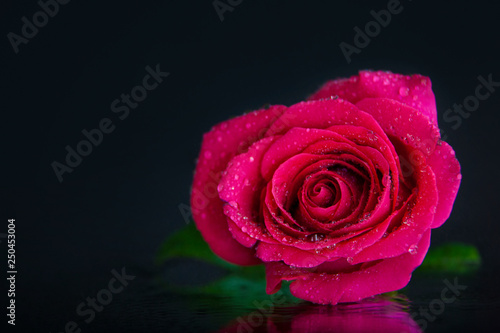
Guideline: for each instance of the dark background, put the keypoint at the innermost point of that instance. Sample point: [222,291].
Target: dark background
[121,202]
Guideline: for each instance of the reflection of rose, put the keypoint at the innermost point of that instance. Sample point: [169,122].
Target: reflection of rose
[337,194]
[371,315]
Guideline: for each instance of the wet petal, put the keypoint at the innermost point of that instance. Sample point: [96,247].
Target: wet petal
[414,91]
[218,147]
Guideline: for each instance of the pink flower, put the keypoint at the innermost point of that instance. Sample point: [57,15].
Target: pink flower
[338,193]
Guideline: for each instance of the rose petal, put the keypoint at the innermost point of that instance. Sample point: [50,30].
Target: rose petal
[403,122]
[242,237]
[219,146]
[414,90]
[371,279]
[290,255]
[239,187]
[447,171]
[415,222]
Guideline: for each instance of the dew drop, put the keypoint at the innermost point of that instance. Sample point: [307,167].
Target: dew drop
[403,91]
[413,249]
[316,237]
[459,176]
[251,159]
[236,177]
[350,260]
[233,204]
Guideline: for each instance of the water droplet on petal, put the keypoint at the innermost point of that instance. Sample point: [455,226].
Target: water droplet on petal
[316,237]
[413,249]
[350,260]
[403,91]
[251,159]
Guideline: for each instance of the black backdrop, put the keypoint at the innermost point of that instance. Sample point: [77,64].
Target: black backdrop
[118,205]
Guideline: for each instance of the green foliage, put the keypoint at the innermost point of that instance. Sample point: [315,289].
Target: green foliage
[188,243]
[454,257]
[247,284]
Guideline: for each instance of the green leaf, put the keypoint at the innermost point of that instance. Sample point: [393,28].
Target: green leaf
[240,289]
[188,243]
[454,257]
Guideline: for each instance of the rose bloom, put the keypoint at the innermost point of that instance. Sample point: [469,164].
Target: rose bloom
[337,194]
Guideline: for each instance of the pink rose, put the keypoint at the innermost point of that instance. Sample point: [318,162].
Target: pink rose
[338,193]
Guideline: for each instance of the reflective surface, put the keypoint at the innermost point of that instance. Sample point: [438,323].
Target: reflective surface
[430,303]
[380,314]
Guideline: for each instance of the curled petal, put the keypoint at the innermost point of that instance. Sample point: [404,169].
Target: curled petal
[348,286]
[404,123]
[238,189]
[447,170]
[414,91]
[218,147]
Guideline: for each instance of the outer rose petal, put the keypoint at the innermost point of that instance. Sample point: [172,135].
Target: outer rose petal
[240,189]
[218,147]
[447,171]
[408,234]
[290,255]
[414,90]
[374,278]
[422,135]
[403,122]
